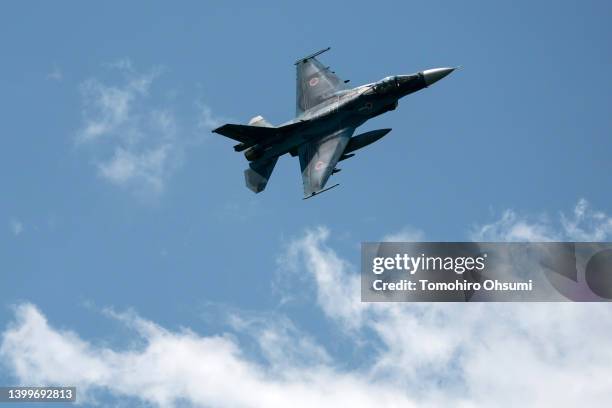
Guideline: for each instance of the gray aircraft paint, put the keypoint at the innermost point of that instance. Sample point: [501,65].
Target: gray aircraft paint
[328,112]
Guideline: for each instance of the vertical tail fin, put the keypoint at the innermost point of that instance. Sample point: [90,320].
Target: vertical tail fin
[259,172]
[259,121]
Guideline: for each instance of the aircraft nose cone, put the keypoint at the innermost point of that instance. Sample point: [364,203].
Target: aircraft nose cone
[434,75]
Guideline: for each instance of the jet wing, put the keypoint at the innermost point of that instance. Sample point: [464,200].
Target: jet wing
[315,83]
[318,159]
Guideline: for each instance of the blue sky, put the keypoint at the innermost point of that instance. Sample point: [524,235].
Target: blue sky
[116,195]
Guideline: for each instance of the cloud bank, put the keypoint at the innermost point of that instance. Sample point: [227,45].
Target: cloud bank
[466,355]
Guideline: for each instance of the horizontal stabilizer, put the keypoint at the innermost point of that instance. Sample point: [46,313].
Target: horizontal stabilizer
[259,132]
[245,133]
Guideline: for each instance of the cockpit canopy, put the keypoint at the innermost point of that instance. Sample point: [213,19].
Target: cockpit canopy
[385,85]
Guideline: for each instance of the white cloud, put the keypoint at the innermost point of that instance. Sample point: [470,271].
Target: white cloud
[148,167]
[136,143]
[16,227]
[206,119]
[327,268]
[124,64]
[280,342]
[131,130]
[406,234]
[585,225]
[512,228]
[179,366]
[419,354]
[55,74]
[488,354]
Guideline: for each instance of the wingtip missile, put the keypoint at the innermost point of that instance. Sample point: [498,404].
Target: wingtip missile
[314,54]
[314,193]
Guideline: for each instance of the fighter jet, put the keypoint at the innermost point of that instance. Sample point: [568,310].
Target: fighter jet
[327,113]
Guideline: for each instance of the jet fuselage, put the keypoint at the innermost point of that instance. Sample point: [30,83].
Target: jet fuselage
[347,109]
[328,112]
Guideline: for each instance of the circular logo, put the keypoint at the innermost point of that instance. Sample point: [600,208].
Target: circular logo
[313,81]
[319,165]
